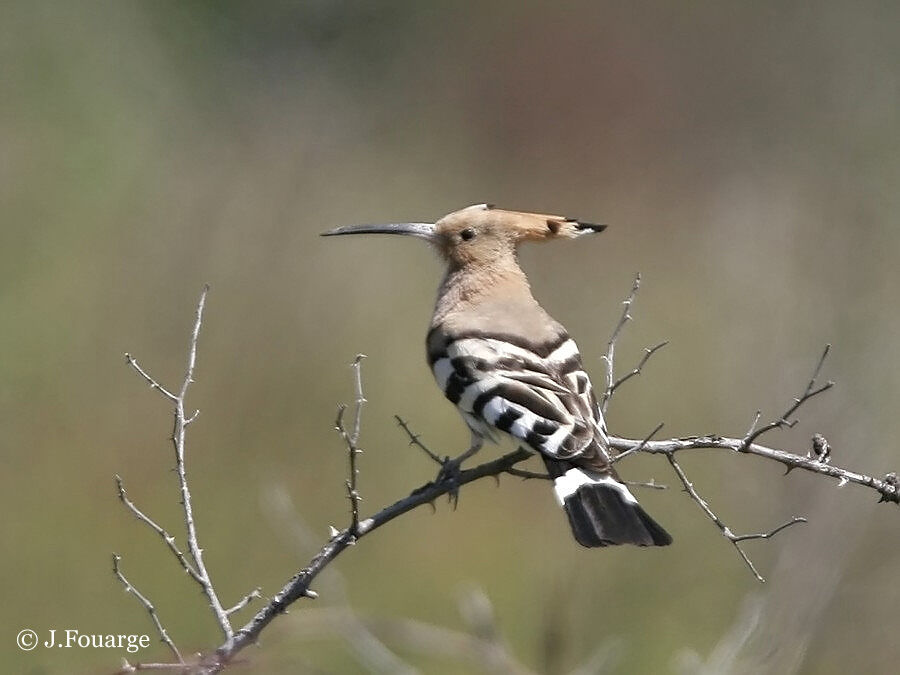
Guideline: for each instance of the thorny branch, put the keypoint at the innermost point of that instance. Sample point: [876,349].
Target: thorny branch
[181,423]
[129,588]
[351,439]
[166,537]
[416,440]
[888,487]
[299,585]
[195,567]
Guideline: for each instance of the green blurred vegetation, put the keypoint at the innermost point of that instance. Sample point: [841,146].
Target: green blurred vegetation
[746,155]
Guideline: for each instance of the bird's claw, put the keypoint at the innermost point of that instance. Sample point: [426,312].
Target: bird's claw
[449,474]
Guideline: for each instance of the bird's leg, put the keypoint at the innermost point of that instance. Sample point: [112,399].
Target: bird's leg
[450,468]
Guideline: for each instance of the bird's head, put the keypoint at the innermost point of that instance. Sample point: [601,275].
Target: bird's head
[481,234]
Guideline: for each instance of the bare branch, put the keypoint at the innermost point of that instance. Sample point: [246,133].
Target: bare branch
[888,490]
[129,588]
[634,372]
[415,439]
[651,484]
[166,537]
[609,357]
[771,533]
[178,440]
[785,420]
[131,361]
[723,528]
[527,475]
[192,347]
[360,399]
[198,571]
[640,446]
[351,440]
[246,600]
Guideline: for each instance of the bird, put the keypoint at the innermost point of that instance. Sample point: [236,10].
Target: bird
[510,368]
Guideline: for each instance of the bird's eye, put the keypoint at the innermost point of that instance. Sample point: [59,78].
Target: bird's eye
[467,234]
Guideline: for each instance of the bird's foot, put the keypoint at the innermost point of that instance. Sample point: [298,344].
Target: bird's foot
[449,475]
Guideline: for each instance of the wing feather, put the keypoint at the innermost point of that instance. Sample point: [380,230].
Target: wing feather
[545,401]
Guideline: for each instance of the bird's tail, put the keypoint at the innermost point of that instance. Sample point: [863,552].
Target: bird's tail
[601,510]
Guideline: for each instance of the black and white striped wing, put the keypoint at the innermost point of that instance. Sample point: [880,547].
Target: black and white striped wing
[540,395]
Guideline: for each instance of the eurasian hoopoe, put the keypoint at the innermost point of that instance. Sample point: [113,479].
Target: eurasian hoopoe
[509,366]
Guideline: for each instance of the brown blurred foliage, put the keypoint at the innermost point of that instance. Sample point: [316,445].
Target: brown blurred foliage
[746,156]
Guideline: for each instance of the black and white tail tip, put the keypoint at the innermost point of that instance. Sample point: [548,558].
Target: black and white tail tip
[602,511]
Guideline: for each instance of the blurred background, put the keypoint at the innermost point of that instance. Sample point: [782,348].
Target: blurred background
[746,157]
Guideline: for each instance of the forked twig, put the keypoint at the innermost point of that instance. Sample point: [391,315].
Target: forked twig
[197,570]
[634,372]
[785,420]
[723,528]
[612,384]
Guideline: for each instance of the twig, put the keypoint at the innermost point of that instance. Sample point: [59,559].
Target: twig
[611,345]
[129,588]
[723,528]
[198,571]
[651,484]
[634,372]
[888,491]
[527,475]
[415,439]
[640,446]
[360,399]
[784,421]
[131,361]
[243,602]
[166,537]
[187,504]
[351,440]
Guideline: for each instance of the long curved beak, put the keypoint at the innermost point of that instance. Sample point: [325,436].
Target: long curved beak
[421,230]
